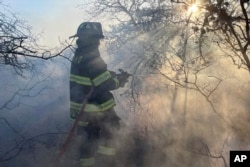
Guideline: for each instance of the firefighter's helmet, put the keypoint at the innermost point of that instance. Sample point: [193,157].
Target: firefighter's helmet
[89,29]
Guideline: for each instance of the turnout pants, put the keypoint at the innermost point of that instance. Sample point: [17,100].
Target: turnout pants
[97,147]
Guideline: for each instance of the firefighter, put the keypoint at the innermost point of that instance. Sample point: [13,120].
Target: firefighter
[99,121]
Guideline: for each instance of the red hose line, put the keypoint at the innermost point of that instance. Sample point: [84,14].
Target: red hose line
[70,135]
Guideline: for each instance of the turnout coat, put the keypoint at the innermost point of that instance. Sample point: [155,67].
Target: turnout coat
[89,70]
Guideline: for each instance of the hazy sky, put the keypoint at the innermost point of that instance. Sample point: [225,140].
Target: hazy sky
[57,19]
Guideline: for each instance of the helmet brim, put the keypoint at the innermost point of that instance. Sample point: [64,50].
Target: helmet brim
[75,36]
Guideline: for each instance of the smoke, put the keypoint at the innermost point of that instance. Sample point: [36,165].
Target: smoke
[163,123]
[179,126]
[187,131]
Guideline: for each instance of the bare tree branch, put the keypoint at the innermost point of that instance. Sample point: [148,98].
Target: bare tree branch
[18,46]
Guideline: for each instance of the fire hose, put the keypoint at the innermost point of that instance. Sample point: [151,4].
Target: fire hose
[122,76]
[72,130]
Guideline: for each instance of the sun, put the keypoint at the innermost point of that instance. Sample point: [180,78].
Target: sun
[193,8]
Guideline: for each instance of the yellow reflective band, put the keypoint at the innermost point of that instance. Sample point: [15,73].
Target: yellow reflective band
[87,161]
[107,105]
[80,80]
[83,123]
[92,107]
[101,107]
[75,106]
[80,123]
[102,78]
[109,151]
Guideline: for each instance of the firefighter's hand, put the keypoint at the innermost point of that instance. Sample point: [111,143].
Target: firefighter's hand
[123,77]
[122,82]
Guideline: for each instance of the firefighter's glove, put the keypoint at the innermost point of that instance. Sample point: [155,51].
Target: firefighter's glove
[123,77]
